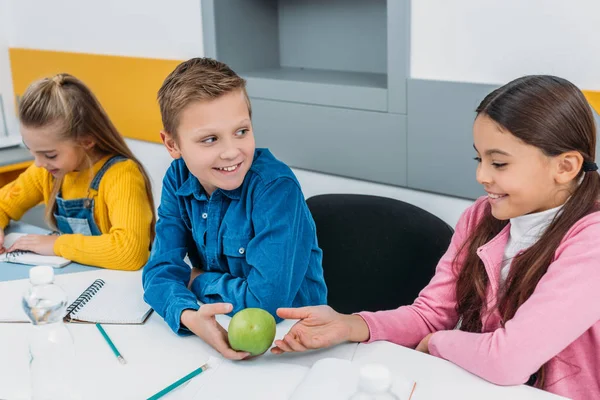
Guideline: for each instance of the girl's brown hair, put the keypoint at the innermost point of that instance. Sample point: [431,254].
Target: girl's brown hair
[551,114]
[66,101]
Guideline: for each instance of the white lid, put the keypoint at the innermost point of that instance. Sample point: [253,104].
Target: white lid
[374,378]
[41,275]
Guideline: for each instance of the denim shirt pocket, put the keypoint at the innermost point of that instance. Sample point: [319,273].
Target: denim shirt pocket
[234,249]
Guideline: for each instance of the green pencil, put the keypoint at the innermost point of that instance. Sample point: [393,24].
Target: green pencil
[111,344]
[183,380]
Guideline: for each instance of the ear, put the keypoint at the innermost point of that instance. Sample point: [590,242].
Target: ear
[568,166]
[87,143]
[171,144]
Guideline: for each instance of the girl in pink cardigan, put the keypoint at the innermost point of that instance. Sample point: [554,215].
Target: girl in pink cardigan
[516,298]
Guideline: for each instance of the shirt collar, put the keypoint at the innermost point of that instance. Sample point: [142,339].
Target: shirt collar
[192,186]
[531,227]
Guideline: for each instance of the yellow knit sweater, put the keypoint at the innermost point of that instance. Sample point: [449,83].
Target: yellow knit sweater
[122,212]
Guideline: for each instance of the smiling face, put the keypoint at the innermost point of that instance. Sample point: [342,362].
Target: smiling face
[57,155]
[519,178]
[215,139]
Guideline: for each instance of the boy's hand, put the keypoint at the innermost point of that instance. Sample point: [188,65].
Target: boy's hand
[319,327]
[40,244]
[195,273]
[204,325]
[2,249]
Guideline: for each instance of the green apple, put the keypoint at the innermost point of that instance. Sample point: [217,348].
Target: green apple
[251,330]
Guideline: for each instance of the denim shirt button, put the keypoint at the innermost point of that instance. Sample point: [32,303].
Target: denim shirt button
[242,250]
[204,215]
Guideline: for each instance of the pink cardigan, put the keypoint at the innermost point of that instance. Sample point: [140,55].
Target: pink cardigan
[558,324]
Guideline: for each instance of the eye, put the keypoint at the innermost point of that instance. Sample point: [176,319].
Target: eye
[209,140]
[478,159]
[242,132]
[498,165]
[51,157]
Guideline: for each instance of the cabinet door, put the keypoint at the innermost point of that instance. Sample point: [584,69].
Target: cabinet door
[440,136]
[352,143]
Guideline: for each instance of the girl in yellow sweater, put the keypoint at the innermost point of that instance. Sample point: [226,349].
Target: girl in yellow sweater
[97,194]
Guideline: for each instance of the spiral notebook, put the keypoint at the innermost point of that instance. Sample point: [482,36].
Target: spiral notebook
[108,304]
[103,296]
[28,257]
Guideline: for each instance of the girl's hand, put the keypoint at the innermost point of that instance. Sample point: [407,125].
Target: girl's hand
[424,345]
[204,325]
[40,244]
[2,249]
[319,327]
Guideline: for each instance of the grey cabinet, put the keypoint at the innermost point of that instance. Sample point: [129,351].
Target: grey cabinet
[338,53]
[440,136]
[328,81]
[338,141]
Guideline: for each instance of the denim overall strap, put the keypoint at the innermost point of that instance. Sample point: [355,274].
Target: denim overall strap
[96,181]
[77,215]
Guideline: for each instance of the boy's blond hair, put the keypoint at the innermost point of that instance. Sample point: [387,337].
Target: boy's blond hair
[197,79]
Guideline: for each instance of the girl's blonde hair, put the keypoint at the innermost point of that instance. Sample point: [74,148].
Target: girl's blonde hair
[66,101]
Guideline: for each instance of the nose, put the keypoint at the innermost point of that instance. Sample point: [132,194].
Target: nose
[38,162]
[230,150]
[483,175]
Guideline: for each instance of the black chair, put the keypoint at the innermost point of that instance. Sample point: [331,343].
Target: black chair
[378,253]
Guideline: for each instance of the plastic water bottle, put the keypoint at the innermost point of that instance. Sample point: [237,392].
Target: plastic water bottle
[51,346]
[374,383]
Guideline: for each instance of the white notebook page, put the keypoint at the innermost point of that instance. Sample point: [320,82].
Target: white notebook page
[118,301]
[27,257]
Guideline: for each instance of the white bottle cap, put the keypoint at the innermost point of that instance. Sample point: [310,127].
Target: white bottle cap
[41,275]
[374,378]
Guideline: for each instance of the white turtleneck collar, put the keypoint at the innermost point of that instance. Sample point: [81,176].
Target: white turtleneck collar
[524,232]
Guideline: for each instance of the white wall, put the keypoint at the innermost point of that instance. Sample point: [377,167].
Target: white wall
[141,28]
[447,208]
[156,160]
[6,87]
[496,41]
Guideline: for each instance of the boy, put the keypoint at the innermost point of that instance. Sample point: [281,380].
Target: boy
[236,212]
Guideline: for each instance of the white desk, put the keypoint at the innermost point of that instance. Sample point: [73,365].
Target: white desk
[157,357]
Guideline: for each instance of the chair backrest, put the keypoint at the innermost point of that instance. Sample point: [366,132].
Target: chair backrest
[378,253]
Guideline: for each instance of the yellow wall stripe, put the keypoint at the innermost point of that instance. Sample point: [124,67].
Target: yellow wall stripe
[594,99]
[126,86]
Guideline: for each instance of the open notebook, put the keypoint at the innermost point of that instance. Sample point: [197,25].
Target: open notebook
[102,296]
[328,378]
[27,257]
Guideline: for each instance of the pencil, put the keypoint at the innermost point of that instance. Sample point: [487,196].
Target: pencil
[111,344]
[183,380]
[413,390]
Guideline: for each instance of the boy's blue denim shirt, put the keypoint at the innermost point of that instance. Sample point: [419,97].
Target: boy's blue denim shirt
[257,244]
